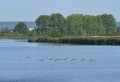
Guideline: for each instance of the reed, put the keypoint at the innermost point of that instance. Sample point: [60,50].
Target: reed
[91,40]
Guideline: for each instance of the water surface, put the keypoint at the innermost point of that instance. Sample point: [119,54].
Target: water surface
[21,61]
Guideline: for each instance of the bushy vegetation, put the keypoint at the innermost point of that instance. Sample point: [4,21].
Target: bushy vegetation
[92,40]
[5,30]
[11,35]
[81,40]
[20,31]
[21,28]
[54,28]
[77,24]
[44,39]
[55,34]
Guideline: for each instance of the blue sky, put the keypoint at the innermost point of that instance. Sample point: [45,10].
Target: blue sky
[29,10]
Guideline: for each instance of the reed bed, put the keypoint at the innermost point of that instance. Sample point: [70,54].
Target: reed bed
[84,40]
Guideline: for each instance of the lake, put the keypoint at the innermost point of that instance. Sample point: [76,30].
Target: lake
[21,61]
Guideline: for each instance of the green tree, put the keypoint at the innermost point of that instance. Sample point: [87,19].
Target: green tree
[58,20]
[44,30]
[43,21]
[55,33]
[74,22]
[77,24]
[33,33]
[5,30]
[109,23]
[118,30]
[46,24]
[21,28]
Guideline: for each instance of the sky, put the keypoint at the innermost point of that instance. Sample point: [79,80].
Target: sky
[30,10]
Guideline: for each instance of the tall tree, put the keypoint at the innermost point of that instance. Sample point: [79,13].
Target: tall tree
[58,20]
[77,24]
[43,21]
[74,22]
[109,23]
[21,28]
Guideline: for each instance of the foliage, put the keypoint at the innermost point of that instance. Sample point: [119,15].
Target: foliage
[118,30]
[44,39]
[21,28]
[91,40]
[43,21]
[56,25]
[5,30]
[77,24]
[81,40]
[55,34]
[11,35]
[32,33]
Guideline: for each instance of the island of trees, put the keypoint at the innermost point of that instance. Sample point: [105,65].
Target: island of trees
[76,29]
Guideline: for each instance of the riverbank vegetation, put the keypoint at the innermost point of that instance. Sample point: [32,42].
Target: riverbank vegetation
[57,28]
[98,40]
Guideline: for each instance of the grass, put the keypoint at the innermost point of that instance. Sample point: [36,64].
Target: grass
[84,40]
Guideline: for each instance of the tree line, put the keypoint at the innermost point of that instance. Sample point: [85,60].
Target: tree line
[76,24]
[73,25]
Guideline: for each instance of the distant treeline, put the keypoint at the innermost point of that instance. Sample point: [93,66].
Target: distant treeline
[77,24]
[56,25]
[11,25]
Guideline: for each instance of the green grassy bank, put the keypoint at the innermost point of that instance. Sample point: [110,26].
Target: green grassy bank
[95,40]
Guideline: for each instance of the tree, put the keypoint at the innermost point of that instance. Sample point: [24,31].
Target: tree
[109,23]
[74,22]
[118,30]
[5,30]
[44,30]
[46,24]
[58,20]
[77,24]
[33,33]
[55,33]
[43,21]
[21,28]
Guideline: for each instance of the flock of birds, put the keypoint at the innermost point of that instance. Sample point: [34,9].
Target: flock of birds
[57,59]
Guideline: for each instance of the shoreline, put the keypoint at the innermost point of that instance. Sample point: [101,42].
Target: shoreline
[84,40]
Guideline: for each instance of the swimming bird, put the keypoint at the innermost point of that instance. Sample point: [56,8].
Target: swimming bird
[65,59]
[51,59]
[28,57]
[92,60]
[73,60]
[83,60]
[57,60]
[42,59]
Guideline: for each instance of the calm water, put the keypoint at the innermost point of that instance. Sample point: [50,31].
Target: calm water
[21,61]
